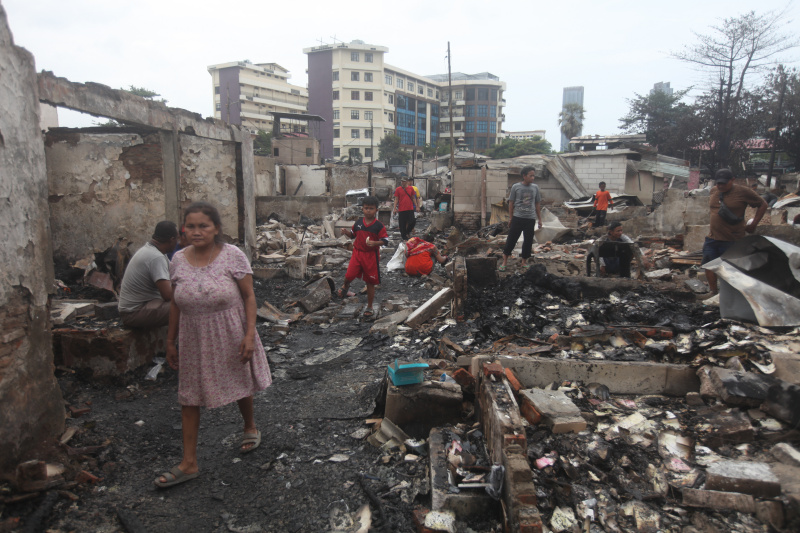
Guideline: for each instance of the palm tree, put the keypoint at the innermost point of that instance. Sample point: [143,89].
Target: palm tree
[571,120]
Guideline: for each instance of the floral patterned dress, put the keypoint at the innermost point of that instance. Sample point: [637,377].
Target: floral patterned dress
[211,328]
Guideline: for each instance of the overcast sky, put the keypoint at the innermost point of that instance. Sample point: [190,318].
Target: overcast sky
[614,48]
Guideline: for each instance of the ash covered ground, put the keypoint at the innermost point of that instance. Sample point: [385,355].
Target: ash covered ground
[315,470]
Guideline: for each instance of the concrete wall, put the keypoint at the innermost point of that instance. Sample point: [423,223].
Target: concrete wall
[102,187]
[643,185]
[264,170]
[295,151]
[289,208]
[593,169]
[345,178]
[208,173]
[32,413]
[312,177]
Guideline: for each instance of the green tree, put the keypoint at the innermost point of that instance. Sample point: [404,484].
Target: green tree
[514,148]
[147,94]
[391,150]
[669,124]
[441,147]
[731,53]
[354,157]
[262,144]
[570,120]
[787,118]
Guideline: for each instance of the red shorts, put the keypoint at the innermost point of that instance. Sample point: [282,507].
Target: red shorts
[363,265]
[419,265]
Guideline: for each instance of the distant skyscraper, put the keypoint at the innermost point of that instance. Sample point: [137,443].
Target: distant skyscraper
[662,87]
[572,95]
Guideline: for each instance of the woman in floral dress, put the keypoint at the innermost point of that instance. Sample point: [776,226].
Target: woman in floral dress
[219,357]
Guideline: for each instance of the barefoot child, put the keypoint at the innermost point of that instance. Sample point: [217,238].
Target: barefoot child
[370,234]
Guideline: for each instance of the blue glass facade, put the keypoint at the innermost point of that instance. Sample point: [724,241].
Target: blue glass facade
[412,121]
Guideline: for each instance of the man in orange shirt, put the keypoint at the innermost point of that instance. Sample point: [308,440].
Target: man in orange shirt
[602,199]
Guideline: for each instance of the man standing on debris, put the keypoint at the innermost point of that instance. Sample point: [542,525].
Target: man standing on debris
[602,199]
[524,209]
[369,234]
[405,204]
[727,225]
[146,291]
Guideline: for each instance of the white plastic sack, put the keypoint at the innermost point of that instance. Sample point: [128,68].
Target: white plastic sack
[398,260]
[394,221]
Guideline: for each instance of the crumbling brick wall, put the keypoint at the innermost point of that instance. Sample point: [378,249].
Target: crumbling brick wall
[32,411]
[467,220]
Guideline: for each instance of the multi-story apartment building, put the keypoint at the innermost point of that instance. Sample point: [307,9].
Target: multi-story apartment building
[478,102]
[523,135]
[247,94]
[572,95]
[362,99]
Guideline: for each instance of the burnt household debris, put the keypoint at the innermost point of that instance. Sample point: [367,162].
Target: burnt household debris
[535,399]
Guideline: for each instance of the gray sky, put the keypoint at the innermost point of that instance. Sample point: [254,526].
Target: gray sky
[614,48]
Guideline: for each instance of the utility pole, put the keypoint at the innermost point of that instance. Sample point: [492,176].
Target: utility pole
[452,139]
[782,81]
[371,156]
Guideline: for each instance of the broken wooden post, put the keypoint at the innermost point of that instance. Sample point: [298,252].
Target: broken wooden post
[427,310]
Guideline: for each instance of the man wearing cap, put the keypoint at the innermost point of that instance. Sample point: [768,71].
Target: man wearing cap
[146,291]
[725,229]
[405,204]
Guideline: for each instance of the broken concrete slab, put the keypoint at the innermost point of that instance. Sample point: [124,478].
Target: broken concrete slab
[319,294]
[430,308]
[740,388]
[419,408]
[108,352]
[746,477]
[106,311]
[619,377]
[786,454]
[556,409]
[719,500]
[783,402]
[388,325]
[272,314]
[787,366]
[729,427]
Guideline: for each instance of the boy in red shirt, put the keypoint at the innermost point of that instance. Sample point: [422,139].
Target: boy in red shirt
[602,199]
[370,234]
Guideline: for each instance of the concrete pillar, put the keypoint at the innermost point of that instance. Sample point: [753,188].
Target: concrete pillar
[33,412]
[171,157]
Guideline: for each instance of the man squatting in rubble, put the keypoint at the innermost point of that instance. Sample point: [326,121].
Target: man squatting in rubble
[620,263]
[524,208]
[723,233]
[369,234]
[146,291]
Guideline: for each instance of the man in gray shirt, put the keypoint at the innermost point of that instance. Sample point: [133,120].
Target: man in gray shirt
[524,209]
[146,292]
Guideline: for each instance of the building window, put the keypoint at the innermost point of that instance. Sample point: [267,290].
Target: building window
[354,76]
[367,152]
[353,56]
[367,115]
[337,152]
[368,134]
[469,110]
[355,133]
[421,90]
[355,152]
[470,127]
[391,117]
[367,57]
[411,87]
[481,142]
[387,79]
[399,83]
[335,95]
[354,95]
[458,95]
[275,152]
[492,110]
[368,77]
[335,114]
[493,127]
[309,152]
[368,96]
[335,75]
[483,94]
[216,89]
[430,93]
[483,127]
[391,99]
[470,93]
[354,114]
[219,107]
[336,133]
[437,95]
[483,111]
[494,95]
